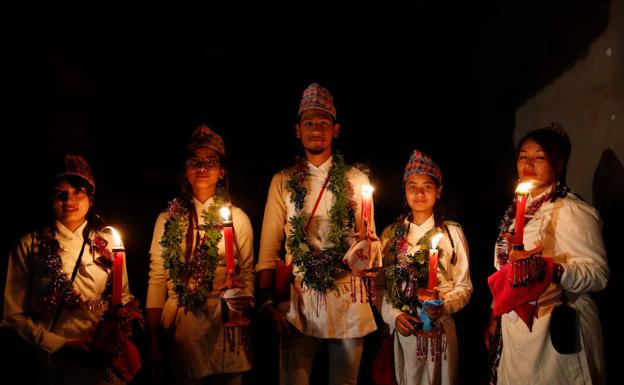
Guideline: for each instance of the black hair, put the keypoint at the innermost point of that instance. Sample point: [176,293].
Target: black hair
[94,220]
[557,147]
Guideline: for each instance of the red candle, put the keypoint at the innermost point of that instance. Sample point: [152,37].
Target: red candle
[522,192]
[367,198]
[433,261]
[118,263]
[228,239]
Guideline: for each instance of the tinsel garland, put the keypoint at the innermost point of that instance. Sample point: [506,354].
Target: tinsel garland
[61,289]
[320,267]
[406,273]
[504,227]
[192,281]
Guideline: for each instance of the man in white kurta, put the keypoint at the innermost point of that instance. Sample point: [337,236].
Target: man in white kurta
[332,318]
[570,232]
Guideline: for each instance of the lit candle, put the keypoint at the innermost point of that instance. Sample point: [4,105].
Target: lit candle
[522,192]
[433,261]
[228,239]
[118,263]
[367,198]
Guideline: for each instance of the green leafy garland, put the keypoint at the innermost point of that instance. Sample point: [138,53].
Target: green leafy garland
[192,281]
[406,274]
[320,267]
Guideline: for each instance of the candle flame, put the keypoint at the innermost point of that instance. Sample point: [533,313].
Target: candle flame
[524,187]
[115,234]
[367,190]
[435,240]
[225,213]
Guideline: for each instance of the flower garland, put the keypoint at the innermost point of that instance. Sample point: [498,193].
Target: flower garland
[501,243]
[319,267]
[61,289]
[404,272]
[192,281]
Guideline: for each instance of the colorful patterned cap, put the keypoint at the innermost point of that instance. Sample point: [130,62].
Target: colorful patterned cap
[317,97]
[76,165]
[420,163]
[205,137]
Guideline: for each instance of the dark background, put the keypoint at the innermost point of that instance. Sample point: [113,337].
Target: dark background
[125,89]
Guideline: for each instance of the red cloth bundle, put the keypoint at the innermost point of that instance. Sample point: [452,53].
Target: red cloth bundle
[113,339]
[508,298]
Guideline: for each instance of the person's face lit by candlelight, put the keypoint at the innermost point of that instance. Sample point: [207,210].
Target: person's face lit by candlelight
[71,202]
[316,130]
[534,165]
[421,194]
[203,170]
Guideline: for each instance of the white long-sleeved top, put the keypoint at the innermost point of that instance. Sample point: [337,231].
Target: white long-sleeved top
[28,282]
[199,340]
[455,288]
[571,233]
[333,315]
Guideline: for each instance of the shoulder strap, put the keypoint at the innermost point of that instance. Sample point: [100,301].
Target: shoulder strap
[318,200]
[61,305]
[453,256]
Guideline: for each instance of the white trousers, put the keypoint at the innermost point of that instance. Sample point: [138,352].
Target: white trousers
[297,355]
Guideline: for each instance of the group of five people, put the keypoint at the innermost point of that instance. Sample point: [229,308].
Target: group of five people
[56,287]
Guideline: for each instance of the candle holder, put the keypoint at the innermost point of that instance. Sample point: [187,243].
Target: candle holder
[233,317]
[235,322]
[114,339]
[230,316]
[430,336]
[526,266]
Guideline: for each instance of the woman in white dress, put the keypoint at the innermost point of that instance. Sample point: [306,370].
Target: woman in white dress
[188,270]
[57,283]
[421,358]
[569,231]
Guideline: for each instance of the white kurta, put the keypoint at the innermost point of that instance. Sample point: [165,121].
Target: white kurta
[199,346]
[455,288]
[28,282]
[334,315]
[570,232]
